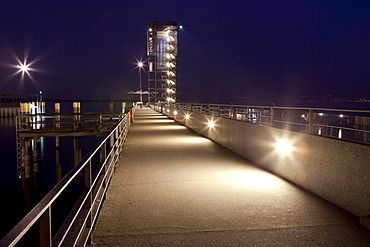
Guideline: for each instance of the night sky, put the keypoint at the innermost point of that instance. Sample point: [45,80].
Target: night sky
[229,50]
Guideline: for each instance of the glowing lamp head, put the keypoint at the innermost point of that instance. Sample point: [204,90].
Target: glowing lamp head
[175,113]
[341,115]
[211,124]
[283,147]
[23,67]
[168,110]
[180,27]
[140,64]
[187,116]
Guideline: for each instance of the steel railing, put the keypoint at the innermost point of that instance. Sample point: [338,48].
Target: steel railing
[44,122]
[88,181]
[351,125]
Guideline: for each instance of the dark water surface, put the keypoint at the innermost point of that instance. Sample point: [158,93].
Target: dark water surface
[19,196]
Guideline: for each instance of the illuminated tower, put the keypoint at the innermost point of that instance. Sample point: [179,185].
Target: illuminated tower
[162,52]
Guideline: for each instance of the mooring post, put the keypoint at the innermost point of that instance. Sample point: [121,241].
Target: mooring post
[76,116]
[58,162]
[111,107]
[76,140]
[22,141]
[77,149]
[26,151]
[27,159]
[58,159]
[57,116]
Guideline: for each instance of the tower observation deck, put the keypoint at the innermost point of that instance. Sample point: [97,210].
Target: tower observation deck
[162,53]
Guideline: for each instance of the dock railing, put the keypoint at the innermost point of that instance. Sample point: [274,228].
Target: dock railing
[67,214]
[351,125]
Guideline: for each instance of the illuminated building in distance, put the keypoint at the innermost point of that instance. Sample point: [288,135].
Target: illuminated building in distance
[162,53]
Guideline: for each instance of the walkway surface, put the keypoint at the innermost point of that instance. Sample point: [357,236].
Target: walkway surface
[173,187]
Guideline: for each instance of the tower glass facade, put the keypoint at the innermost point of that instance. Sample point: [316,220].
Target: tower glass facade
[162,53]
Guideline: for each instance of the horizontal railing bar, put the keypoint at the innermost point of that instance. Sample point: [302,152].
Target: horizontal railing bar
[340,127]
[278,107]
[292,123]
[355,121]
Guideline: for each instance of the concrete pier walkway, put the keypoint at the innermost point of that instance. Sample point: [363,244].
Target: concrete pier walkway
[173,187]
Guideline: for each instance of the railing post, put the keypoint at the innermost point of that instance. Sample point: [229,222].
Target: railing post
[88,182]
[45,228]
[123,105]
[232,113]
[310,121]
[103,156]
[100,122]
[272,116]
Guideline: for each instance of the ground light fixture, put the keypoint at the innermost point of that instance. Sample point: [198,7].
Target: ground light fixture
[211,124]
[284,146]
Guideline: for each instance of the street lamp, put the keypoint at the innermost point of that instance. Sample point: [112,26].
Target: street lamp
[23,67]
[140,66]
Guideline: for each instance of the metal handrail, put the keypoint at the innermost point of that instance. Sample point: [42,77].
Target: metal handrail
[78,225]
[345,124]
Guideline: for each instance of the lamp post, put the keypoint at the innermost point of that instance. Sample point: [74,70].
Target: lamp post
[140,65]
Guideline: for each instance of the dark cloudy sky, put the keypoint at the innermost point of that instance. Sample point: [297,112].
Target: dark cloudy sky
[229,49]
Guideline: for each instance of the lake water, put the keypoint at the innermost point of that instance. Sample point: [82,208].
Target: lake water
[18,196]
